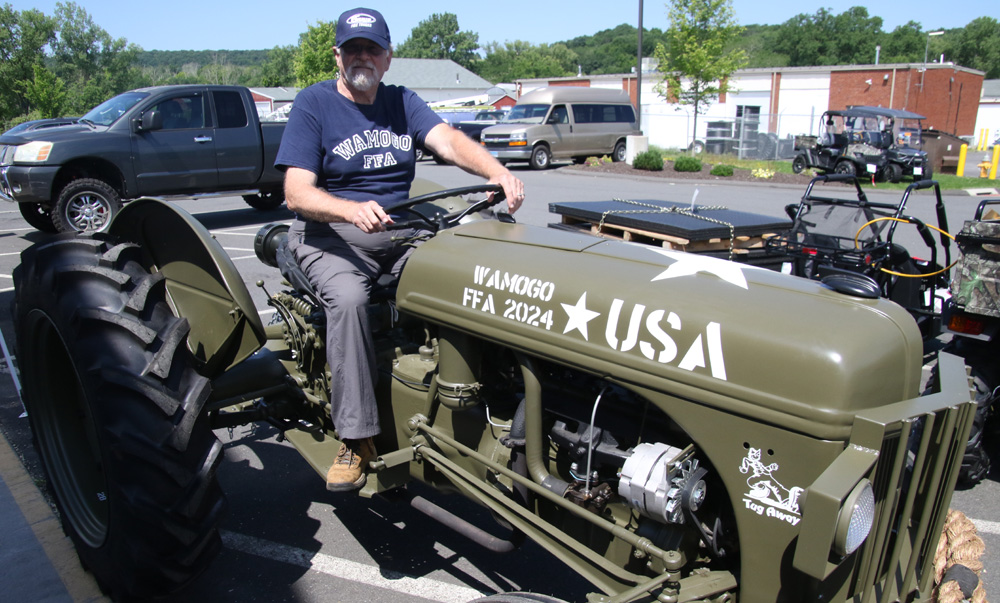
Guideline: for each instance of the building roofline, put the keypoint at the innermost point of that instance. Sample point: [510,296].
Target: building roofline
[763,70]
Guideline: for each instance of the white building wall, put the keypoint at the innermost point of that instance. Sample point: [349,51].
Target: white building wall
[802,99]
[988,118]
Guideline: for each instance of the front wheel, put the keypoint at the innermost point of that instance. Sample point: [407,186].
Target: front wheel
[86,205]
[541,158]
[265,200]
[618,155]
[115,408]
[846,167]
[798,164]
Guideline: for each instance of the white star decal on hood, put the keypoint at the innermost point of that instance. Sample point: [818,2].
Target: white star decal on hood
[687,264]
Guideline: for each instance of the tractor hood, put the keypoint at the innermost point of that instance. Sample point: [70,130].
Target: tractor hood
[749,340]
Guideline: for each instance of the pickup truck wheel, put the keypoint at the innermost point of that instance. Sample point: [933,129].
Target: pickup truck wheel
[541,158]
[86,205]
[798,164]
[265,201]
[618,155]
[38,216]
[116,412]
[845,166]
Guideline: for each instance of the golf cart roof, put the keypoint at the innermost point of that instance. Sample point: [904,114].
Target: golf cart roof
[859,111]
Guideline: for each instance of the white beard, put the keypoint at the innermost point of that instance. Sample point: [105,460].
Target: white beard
[361,80]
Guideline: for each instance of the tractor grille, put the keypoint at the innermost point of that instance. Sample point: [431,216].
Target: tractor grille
[913,481]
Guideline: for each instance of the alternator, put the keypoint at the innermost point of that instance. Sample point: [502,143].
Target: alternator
[658,480]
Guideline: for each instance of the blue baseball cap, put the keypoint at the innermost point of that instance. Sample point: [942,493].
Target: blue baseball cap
[364,23]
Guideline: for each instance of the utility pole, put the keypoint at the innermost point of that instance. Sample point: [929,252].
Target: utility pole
[638,76]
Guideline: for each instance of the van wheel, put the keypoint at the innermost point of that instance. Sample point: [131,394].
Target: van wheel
[618,155]
[541,158]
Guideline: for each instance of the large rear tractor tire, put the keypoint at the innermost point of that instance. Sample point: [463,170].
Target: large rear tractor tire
[115,408]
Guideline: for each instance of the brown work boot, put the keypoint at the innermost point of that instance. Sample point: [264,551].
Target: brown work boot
[348,469]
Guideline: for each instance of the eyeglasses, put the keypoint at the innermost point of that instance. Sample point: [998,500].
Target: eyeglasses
[373,50]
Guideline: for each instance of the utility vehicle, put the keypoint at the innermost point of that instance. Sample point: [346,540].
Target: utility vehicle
[879,143]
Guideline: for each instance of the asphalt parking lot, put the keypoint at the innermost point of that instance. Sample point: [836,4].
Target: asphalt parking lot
[286,538]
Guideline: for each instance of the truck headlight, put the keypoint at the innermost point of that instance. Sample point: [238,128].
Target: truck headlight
[36,151]
[856,519]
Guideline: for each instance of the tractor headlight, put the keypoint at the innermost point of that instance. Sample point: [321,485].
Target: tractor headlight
[36,151]
[856,519]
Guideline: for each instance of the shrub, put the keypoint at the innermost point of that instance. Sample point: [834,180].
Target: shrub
[649,160]
[686,163]
[763,173]
[722,170]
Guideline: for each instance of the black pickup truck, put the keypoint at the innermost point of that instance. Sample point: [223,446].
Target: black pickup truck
[165,141]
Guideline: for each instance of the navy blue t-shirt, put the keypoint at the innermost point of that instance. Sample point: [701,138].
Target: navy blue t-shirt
[358,152]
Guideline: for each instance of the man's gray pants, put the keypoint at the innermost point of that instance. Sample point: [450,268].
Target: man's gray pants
[343,264]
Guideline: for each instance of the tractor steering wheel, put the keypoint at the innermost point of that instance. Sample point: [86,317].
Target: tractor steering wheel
[444,220]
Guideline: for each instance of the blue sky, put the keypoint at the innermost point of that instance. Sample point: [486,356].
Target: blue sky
[255,24]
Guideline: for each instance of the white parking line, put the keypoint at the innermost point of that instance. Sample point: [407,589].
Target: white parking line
[369,575]
[986,527]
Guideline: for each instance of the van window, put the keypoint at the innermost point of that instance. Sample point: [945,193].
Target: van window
[528,113]
[601,114]
[559,115]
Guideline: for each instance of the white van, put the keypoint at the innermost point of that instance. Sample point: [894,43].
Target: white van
[563,122]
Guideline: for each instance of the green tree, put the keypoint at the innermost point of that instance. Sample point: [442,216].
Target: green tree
[315,61]
[828,39]
[977,45]
[519,60]
[696,66]
[93,65]
[45,92]
[613,50]
[279,69]
[905,44]
[438,37]
[24,36]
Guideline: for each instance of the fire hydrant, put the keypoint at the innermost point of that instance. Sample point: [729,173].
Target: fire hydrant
[984,168]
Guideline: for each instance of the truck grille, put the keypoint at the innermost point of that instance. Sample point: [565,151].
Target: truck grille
[913,480]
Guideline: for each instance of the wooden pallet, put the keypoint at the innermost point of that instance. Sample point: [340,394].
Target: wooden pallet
[741,245]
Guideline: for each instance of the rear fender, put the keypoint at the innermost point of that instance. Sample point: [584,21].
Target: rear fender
[203,285]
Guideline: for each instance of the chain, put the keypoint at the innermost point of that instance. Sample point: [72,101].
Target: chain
[674,209]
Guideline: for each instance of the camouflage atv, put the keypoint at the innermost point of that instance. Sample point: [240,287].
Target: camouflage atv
[672,427]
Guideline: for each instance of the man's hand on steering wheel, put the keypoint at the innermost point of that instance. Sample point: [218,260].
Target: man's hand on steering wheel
[513,189]
[370,217]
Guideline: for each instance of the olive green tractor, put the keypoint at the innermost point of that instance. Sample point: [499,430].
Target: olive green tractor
[673,427]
